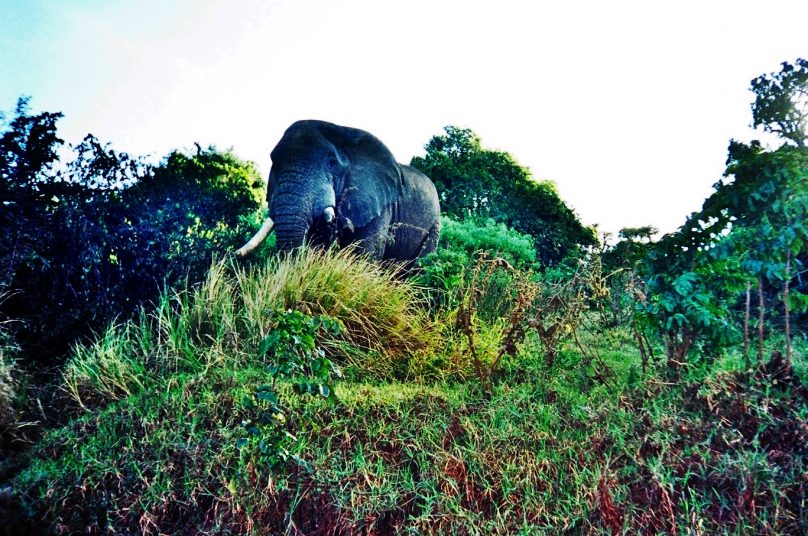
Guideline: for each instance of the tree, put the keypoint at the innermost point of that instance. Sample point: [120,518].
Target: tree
[28,149]
[478,183]
[781,102]
[767,201]
[191,208]
[752,231]
[96,237]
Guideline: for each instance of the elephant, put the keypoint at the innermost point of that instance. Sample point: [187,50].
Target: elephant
[334,184]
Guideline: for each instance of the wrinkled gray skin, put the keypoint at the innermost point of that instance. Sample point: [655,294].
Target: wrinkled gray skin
[332,183]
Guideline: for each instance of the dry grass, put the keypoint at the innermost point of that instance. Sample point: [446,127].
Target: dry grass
[8,377]
[381,311]
[220,323]
[8,391]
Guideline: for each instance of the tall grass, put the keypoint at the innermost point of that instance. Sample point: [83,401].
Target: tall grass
[379,309]
[9,382]
[8,388]
[108,369]
[219,323]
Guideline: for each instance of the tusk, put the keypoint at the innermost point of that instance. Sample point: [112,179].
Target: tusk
[259,237]
[328,214]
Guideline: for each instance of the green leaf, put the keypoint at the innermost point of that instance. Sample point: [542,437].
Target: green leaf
[266,394]
[269,342]
[683,284]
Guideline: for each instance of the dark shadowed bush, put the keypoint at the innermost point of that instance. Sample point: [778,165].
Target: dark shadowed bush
[91,239]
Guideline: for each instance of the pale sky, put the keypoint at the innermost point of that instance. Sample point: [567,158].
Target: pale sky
[627,106]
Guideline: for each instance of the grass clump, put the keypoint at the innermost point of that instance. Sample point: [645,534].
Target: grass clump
[380,310]
[8,389]
[220,323]
[110,368]
[371,298]
[10,383]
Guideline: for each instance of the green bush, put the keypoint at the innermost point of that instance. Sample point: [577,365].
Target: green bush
[477,183]
[497,239]
[445,271]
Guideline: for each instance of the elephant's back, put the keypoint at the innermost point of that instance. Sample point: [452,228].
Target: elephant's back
[416,220]
[419,191]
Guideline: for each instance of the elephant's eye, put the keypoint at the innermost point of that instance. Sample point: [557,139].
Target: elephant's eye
[333,165]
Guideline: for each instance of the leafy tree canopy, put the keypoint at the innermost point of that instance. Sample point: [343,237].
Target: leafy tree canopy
[478,183]
[753,228]
[28,149]
[91,239]
[781,102]
[632,248]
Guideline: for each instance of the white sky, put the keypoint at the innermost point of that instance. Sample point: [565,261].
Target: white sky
[627,106]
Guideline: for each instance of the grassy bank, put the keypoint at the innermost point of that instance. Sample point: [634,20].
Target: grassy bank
[414,443]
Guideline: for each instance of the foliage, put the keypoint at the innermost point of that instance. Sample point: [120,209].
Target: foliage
[630,250]
[491,321]
[461,242]
[479,183]
[687,305]
[470,237]
[547,449]
[781,102]
[192,208]
[752,228]
[293,352]
[89,240]
[28,149]
[622,264]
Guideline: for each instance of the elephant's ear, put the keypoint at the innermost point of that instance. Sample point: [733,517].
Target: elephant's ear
[272,181]
[373,182]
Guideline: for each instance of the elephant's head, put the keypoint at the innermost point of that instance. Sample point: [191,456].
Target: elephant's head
[326,182]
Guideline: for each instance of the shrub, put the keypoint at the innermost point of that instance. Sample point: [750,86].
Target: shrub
[90,239]
[497,239]
[461,243]
[293,351]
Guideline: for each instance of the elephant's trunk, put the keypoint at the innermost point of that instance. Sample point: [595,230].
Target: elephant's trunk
[259,237]
[293,205]
[291,234]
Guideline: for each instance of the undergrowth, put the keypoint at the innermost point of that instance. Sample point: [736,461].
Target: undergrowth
[412,441]
[220,323]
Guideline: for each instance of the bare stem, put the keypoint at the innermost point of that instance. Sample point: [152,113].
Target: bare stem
[786,308]
[746,312]
[761,318]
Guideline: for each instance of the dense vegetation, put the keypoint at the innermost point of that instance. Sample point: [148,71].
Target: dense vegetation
[91,239]
[524,380]
[477,184]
